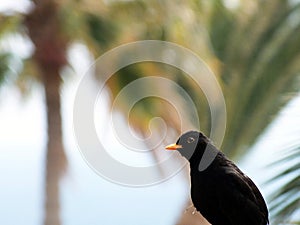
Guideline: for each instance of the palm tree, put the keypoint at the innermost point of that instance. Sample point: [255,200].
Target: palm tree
[259,69]
[45,31]
[49,27]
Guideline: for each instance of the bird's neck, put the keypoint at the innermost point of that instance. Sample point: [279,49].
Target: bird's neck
[197,155]
[203,157]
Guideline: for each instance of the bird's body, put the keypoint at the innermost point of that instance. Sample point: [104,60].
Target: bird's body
[222,193]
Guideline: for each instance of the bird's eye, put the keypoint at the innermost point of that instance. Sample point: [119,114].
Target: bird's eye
[190,140]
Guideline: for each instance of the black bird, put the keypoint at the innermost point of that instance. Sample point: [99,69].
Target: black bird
[220,191]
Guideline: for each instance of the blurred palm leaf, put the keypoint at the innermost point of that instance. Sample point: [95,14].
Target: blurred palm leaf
[285,200]
[257,59]
[4,68]
[8,25]
[260,67]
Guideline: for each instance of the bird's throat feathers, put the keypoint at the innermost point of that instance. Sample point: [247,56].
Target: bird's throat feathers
[203,156]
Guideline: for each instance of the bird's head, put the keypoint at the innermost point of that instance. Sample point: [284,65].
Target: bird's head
[189,143]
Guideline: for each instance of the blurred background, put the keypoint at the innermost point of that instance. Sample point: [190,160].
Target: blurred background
[46,46]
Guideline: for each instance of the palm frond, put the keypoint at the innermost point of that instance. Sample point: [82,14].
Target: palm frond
[259,68]
[9,24]
[4,67]
[285,200]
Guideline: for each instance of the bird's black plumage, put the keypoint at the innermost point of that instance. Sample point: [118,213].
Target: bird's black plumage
[222,193]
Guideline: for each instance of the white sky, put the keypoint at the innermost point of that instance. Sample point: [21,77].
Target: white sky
[9,6]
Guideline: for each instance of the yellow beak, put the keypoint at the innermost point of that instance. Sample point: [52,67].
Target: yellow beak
[173,147]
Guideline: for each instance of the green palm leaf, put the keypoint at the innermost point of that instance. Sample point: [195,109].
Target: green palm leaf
[260,64]
[285,200]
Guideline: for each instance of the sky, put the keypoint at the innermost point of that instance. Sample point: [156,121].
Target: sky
[14,6]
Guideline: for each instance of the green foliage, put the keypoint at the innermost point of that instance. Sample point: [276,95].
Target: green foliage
[101,29]
[221,25]
[256,53]
[285,201]
[260,57]
[9,24]
[4,67]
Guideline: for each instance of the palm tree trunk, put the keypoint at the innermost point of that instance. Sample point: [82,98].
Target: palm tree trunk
[50,56]
[56,159]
